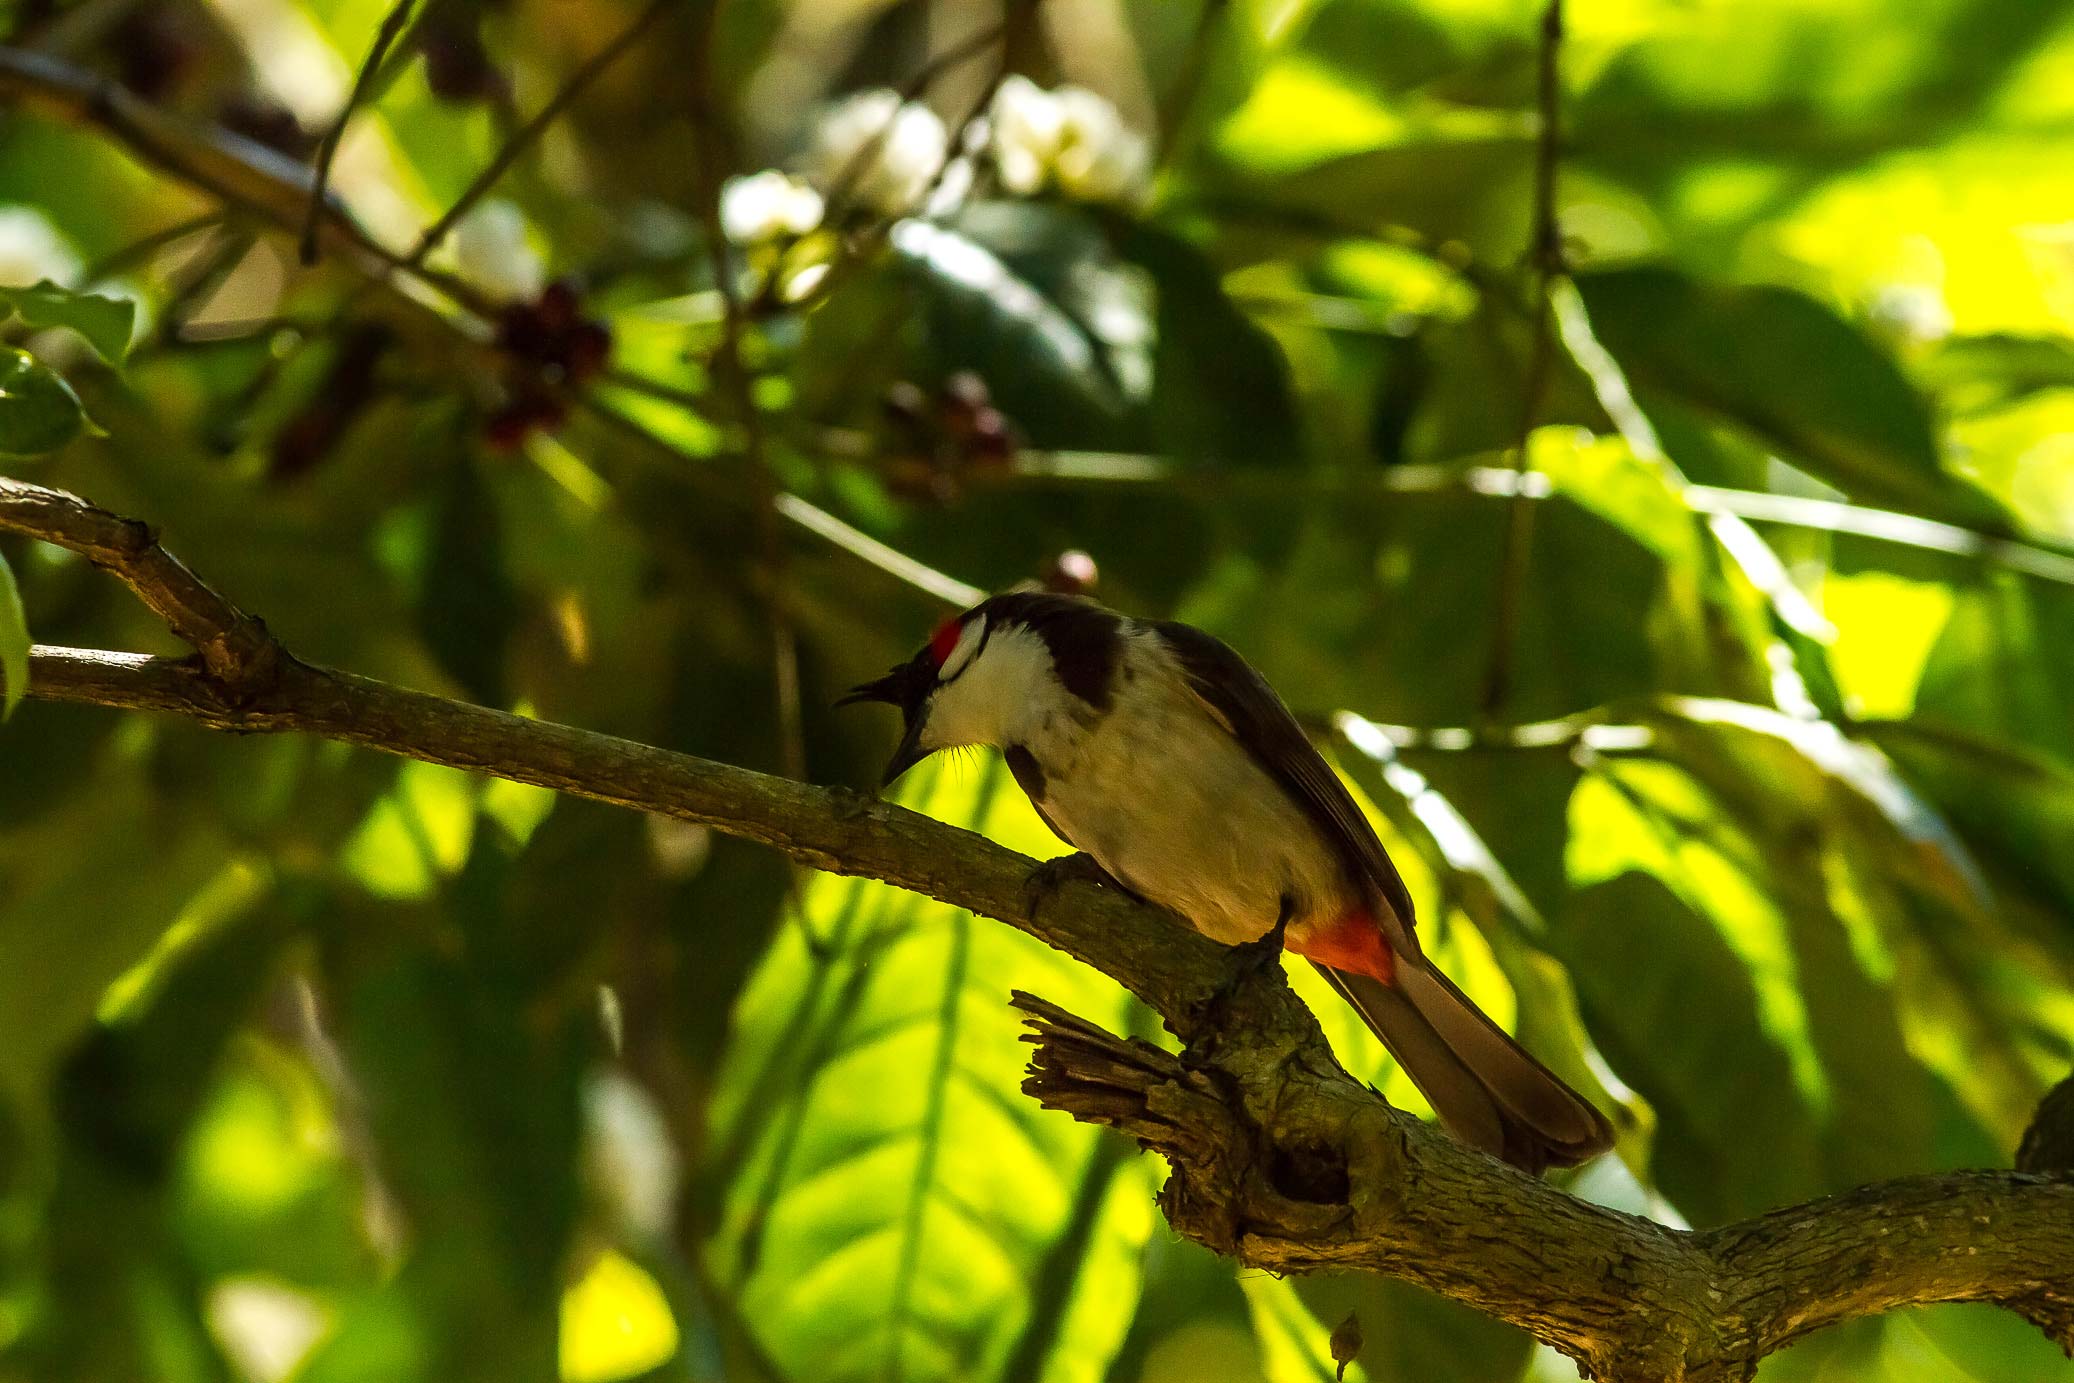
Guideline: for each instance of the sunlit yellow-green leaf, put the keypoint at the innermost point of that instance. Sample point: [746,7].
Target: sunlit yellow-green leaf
[417,833]
[1299,114]
[615,1323]
[1885,627]
[888,1193]
[105,322]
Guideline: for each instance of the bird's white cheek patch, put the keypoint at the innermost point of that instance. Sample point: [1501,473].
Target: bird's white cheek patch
[968,644]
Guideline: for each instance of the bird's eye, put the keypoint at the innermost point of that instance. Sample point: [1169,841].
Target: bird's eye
[954,652]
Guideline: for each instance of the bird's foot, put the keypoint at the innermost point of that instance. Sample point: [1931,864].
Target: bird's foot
[1249,959]
[1053,874]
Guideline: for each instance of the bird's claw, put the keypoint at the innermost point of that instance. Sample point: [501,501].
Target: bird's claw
[1247,959]
[1053,874]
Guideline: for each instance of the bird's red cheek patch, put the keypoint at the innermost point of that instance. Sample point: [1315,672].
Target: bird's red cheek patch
[1353,943]
[945,640]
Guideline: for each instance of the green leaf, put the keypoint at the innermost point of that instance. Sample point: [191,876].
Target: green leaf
[416,834]
[893,1207]
[38,411]
[1029,297]
[74,920]
[1220,385]
[468,609]
[128,1302]
[1972,374]
[1710,624]
[1973,1343]
[2003,665]
[1966,988]
[1834,924]
[107,323]
[471,1056]
[1785,368]
[14,642]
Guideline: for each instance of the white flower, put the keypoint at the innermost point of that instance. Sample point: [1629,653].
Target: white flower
[1070,139]
[30,250]
[1100,158]
[1028,123]
[629,1161]
[767,206]
[873,151]
[267,1328]
[491,251]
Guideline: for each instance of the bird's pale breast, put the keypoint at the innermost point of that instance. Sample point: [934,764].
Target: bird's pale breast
[1165,799]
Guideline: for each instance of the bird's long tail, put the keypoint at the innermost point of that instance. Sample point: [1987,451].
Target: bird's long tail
[1484,1086]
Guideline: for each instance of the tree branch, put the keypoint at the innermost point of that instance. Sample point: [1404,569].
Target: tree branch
[1279,1158]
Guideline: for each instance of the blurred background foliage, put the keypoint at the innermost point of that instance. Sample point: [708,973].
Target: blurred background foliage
[315,1065]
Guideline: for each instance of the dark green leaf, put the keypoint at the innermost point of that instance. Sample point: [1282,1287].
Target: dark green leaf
[1788,370]
[38,411]
[106,323]
[470,1060]
[2003,665]
[1029,297]
[14,642]
[1971,374]
[1220,386]
[467,609]
[122,1099]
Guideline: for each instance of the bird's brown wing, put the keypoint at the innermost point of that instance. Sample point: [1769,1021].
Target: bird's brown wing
[1260,721]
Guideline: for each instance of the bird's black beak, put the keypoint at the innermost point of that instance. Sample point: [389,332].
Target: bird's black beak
[907,687]
[892,689]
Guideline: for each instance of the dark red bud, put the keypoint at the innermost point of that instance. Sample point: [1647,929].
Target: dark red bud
[458,68]
[560,306]
[586,350]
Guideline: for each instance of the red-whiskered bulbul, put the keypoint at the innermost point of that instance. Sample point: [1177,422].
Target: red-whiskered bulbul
[1161,754]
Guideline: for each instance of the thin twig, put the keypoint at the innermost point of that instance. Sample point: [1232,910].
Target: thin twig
[320,178]
[2033,556]
[524,137]
[272,191]
[124,257]
[1545,255]
[802,514]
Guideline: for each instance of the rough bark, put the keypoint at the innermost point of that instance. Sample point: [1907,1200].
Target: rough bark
[1279,1159]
